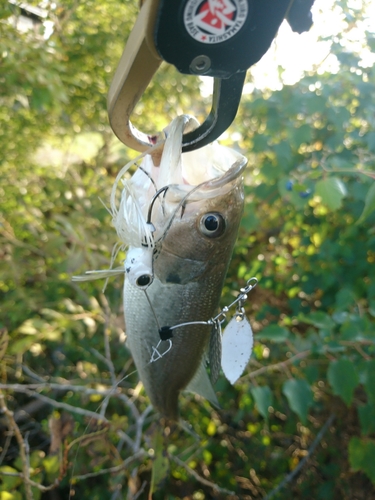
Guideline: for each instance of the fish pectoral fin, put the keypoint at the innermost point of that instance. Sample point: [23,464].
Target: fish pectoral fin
[200,384]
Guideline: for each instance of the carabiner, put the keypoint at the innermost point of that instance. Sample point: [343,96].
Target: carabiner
[217,38]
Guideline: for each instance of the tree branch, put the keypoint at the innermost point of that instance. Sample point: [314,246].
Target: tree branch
[140,454]
[52,402]
[302,463]
[279,366]
[199,478]
[22,446]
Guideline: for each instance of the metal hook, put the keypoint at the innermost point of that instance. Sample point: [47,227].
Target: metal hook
[156,195]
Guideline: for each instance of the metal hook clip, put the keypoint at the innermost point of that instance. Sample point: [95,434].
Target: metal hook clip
[136,68]
[219,39]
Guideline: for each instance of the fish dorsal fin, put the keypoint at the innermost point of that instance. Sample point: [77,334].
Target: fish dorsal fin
[200,384]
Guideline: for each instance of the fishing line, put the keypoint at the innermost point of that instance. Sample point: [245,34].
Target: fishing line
[148,175]
[152,309]
[155,187]
[165,332]
[126,168]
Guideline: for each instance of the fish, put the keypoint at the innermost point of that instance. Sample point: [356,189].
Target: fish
[188,243]
[178,216]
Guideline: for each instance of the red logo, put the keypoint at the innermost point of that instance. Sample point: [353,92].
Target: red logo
[216,16]
[214,21]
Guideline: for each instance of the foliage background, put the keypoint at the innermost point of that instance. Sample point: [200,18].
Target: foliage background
[307,234]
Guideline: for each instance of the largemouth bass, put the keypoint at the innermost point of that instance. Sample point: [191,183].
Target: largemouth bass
[189,238]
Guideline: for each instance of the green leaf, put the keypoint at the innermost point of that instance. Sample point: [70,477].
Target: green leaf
[160,464]
[8,483]
[263,399]
[14,495]
[332,191]
[275,333]
[300,135]
[22,345]
[344,299]
[283,152]
[319,319]
[249,220]
[299,396]
[367,418]
[361,456]
[369,204]
[51,465]
[370,380]
[343,379]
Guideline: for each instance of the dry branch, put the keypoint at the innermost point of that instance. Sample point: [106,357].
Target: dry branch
[22,446]
[199,478]
[302,463]
[111,470]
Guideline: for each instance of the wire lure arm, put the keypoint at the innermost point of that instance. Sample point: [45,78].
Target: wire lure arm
[166,332]
[221,39]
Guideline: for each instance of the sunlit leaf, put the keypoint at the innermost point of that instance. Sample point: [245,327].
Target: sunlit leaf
[332,191]
[10,495]
[8,483]
[369,204]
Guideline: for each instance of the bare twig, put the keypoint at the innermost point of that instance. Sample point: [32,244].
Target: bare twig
[5,447]
[107,349]
[140,454]
[362,352]
[22,446]
[41,487]
[139,422]
[282,365]
[112,392]
[107,363]
[140,491]
[32,374]
[302,463]
[199,478]
[26,411]
[59,387]
[52,402]
[124,437]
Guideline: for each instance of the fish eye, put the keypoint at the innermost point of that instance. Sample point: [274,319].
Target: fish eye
[143,280]
[212,225]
